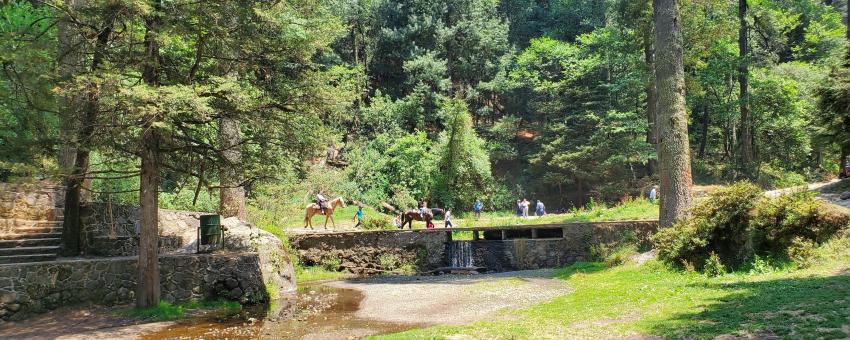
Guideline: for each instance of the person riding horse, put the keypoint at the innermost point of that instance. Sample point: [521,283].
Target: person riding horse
[320,200]
[423,207]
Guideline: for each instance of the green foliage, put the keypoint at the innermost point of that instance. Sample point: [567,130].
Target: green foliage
[463,171]
[713,266]
[802,252]
[780,221]
[719,225]
[737,223]
[377,223]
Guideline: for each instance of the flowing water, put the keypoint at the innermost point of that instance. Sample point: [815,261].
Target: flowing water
[460,253]
[317,312]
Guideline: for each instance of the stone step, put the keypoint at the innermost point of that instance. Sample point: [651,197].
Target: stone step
[15,226]
[29,250]
[37,230]
[30,242]
[30,236]
[11,211]
[10,259]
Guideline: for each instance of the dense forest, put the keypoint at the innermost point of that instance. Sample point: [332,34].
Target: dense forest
[401,101]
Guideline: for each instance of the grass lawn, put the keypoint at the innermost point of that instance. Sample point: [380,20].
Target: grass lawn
[316,273]
[636,209]
[655,300]
[279,219]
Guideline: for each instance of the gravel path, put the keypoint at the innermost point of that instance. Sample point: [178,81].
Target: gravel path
[452,299]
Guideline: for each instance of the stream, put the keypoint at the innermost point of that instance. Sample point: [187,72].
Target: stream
[315,312]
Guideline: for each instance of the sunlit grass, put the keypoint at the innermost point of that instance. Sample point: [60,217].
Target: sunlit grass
[654,299]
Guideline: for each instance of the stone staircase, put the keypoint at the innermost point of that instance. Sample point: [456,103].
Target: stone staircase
[31,217]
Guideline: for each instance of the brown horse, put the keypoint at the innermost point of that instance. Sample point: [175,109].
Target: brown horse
[313,209]
[409,216]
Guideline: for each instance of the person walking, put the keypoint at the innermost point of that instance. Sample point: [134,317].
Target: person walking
[653,194]
[525,205]
[540,209]
[476,207]
[518,208]
[448,218]
[358,216]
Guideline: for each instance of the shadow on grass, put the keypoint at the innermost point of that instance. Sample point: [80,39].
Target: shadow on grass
[811,307]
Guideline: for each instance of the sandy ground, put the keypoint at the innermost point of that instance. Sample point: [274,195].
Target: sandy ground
[452,299]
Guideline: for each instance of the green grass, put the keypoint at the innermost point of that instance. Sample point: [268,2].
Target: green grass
[655,300]
[316,273]
[277,220]
[636,209]
[167,311]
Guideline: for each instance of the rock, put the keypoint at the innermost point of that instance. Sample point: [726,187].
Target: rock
[231,283]
[845,195]
[13,307]
[236,293]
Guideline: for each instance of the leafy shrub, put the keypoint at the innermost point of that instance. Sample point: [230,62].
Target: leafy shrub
[332,264]
[377,223]
[802,252]
[736,223]
[775,177]
[713,265]
[780,220]
[719,224]
[761,265]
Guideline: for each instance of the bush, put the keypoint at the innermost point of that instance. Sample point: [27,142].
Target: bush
[775,177]
[377,223]
[802,252]
[780,220]
[736,223]
[713,266]
[719,224]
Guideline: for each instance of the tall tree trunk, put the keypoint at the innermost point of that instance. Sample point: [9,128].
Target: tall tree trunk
[74,182]
[232,194]
[148,290]
[71,60]
[651,98]
[674,151]
[744,82]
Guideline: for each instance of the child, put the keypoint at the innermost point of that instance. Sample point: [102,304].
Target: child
[359,216]
[448,219]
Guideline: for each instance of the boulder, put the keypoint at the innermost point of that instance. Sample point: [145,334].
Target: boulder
[845,195]
[275,264]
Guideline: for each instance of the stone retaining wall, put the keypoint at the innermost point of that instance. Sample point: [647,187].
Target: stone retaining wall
[37,287]
[522,254]
[361,252]
[112,229]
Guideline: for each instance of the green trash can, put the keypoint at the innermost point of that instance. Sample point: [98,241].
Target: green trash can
[209,230]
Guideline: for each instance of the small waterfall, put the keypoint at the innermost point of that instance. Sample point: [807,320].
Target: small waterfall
[461,254]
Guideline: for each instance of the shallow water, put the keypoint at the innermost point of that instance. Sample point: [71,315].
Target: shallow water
[316,312]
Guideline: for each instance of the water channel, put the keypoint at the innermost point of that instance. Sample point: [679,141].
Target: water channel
[316,312]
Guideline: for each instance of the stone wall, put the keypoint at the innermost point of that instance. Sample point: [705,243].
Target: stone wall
[522,254]
[360,252]
[112,229]
[27,205]
[37,287]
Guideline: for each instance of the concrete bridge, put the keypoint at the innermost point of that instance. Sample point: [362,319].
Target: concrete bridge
[492,248]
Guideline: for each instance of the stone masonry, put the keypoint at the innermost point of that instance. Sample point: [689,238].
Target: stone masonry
[37,287]
[360,252]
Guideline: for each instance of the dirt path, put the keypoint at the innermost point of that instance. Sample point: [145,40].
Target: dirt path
[79,323]
[452,299]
